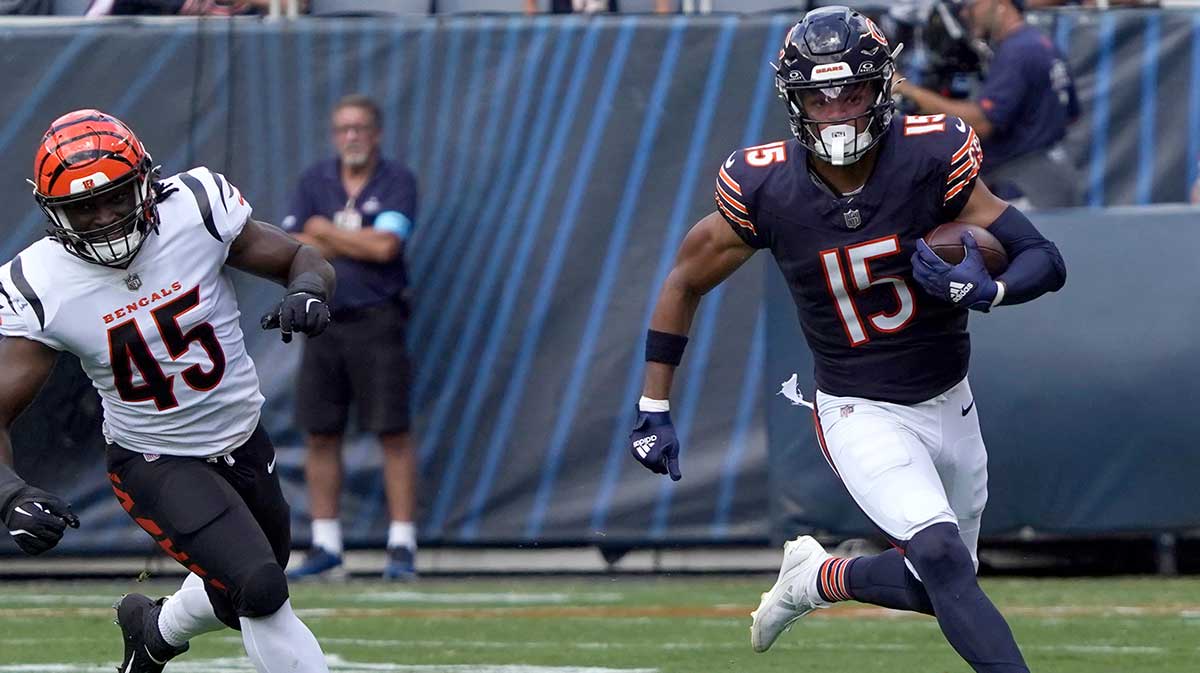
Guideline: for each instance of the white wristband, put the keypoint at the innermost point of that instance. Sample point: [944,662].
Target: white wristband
[652,405]
[999,293]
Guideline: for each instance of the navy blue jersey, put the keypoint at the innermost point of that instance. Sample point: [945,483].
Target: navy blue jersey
[1028,96]
[872,331]
[389,197]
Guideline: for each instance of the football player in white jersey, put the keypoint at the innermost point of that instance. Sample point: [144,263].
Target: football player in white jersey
[132,280]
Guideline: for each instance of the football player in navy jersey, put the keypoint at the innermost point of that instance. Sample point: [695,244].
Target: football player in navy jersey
[843,207]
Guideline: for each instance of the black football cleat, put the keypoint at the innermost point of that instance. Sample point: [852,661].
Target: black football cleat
[145,649]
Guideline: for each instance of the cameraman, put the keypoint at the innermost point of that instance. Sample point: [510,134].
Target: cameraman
[1021,114]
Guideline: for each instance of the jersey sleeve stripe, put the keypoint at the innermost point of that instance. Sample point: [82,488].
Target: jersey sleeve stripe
[201,195]
[962,151]
[740,221]
[221,185]
[731,201]
[729,182]
[26,290]
[958,172]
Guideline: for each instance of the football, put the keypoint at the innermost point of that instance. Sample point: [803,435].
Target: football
[946,241]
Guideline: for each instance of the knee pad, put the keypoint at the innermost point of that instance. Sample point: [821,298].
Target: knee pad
[263,592]
[940,557]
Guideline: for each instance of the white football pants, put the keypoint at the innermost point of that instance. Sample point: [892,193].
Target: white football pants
[909,466]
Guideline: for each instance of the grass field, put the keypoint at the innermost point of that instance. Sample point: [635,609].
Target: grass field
[671,625]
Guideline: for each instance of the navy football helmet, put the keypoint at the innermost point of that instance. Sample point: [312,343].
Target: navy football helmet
[835,72]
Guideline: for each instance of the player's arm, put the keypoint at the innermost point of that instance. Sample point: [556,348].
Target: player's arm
[268,252]
[1035,265]
[367,245]
[34,518]
[710,253]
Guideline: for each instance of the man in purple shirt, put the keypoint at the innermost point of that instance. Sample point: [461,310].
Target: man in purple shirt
[1023,109]
[357,209]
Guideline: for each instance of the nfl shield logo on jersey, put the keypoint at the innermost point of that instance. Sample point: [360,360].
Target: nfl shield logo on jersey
[133,282]
[853,219]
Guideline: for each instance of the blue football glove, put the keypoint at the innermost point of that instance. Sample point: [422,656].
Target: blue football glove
[966,284]
[654,445]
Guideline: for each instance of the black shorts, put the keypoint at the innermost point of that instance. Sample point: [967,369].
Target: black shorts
[221,518]
[360,361]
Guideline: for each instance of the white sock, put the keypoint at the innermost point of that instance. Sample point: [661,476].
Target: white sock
[402,534]
[327,534]
[281,643]
[187,613]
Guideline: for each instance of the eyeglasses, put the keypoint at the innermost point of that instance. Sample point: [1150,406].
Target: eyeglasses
[360,129]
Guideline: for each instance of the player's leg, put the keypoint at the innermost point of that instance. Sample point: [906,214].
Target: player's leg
[933,546]
[967,617]
[380,375]
[322,410]
[187,613]
[888,472]
[962,463]
[192,514]
[275,639]
[887,468]
[945,556]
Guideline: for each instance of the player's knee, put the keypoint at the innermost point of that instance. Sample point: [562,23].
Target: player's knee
[265,590]
[940,557]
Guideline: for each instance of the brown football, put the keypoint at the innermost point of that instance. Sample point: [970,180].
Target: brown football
[946,241]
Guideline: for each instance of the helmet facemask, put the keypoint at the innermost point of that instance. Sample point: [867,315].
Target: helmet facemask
[840,123]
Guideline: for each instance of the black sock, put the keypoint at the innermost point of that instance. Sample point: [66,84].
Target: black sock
[974,627]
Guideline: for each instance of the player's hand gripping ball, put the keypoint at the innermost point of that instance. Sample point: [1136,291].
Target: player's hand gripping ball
[654,445]
[962,279]
[36,520]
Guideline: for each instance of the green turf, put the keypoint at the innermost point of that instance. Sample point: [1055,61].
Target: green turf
[672,625]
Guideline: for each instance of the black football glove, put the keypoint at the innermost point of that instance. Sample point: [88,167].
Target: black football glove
[302,310]
[36,519]
[654,445]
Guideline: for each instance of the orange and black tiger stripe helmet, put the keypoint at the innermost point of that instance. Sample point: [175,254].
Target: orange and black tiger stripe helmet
[85,156]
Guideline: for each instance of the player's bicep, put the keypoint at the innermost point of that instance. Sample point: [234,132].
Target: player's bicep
[710,253]
[263,250]
[982,207]
[25,365]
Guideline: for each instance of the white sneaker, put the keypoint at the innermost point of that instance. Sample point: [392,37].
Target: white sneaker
[794,594]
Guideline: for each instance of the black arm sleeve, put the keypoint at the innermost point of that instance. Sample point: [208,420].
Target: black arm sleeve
[1035,266]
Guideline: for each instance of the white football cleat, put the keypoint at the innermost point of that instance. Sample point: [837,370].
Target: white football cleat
[794,594]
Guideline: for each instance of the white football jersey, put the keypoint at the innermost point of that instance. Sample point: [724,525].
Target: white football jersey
[160,340]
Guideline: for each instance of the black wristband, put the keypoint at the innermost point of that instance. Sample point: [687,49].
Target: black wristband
[665,347]
[309,282]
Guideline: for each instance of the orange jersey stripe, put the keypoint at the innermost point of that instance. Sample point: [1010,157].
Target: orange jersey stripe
[730,181]
[962,151]
[731,201]
[734,218]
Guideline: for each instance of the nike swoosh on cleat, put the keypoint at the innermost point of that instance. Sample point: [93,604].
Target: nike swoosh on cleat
[967,409]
